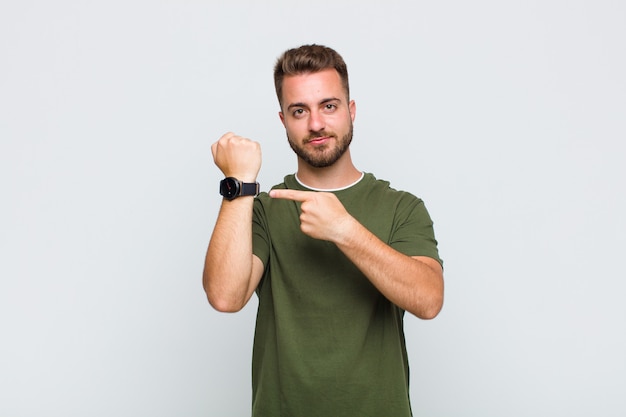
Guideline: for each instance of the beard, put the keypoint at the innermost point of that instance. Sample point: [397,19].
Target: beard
[324,155]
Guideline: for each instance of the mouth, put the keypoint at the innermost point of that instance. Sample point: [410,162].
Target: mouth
[318,140]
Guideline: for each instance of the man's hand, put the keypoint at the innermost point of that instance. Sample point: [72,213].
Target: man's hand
[322,214]
[237,157]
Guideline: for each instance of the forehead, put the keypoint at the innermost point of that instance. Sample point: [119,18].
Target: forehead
[312,87]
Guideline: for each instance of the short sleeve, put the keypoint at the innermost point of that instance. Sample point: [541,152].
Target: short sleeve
[413,232]
[260,236]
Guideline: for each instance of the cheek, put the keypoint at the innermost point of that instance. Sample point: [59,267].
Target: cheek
[291,135]
[295,128]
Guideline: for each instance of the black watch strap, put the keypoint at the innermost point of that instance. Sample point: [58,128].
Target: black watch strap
[249,188]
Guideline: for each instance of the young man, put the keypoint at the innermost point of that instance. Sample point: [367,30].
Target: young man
[335,256]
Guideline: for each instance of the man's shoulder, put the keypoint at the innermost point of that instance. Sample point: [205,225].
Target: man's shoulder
[378,185]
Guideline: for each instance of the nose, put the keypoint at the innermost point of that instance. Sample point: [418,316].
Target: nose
[316,121]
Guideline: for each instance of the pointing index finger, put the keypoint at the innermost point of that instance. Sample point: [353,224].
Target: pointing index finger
[295,195]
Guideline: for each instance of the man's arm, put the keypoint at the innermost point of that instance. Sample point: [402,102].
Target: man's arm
[414,284]
[231,271]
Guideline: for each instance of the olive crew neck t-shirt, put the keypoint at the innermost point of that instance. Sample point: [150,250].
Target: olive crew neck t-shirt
[327,342]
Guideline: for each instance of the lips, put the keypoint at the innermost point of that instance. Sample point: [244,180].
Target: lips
[320,140]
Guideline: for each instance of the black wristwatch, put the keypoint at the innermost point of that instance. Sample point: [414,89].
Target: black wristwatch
[231,188]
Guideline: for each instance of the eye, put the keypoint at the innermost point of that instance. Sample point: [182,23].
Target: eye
[330,107]
[297,113]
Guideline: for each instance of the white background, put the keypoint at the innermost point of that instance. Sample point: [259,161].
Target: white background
[507,117]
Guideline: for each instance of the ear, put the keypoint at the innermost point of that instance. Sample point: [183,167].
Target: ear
[352,108]
[282,117]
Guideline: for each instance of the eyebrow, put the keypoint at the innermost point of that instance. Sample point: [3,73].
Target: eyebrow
[324,101]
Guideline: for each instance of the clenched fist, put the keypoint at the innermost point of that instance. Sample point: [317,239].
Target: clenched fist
[237,157]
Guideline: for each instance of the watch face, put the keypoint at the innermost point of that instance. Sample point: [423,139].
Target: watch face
[229,188]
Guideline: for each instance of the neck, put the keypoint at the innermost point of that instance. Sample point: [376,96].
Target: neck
[341,174]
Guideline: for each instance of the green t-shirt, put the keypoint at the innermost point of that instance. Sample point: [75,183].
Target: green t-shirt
[327,342]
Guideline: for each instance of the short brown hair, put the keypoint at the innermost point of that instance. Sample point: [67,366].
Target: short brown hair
[307,59]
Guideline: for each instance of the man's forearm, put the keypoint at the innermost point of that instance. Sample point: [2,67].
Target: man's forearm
[414,284]
[228,263]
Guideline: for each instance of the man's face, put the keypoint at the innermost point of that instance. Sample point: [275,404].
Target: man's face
[317,116]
